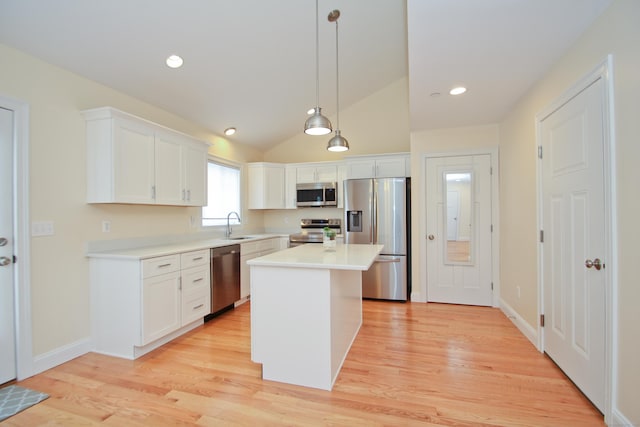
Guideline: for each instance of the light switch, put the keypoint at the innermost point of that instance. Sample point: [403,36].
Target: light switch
[42,228]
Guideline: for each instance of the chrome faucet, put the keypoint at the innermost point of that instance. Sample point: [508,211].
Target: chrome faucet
[228,232]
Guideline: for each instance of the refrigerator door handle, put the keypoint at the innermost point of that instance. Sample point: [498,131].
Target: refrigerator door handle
[374,214]
[387,260]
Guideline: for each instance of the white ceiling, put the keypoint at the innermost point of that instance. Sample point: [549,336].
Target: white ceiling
[251,63]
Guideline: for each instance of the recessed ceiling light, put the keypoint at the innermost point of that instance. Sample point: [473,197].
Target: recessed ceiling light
[174,61]
[229,131]
[435,94]
[458,90]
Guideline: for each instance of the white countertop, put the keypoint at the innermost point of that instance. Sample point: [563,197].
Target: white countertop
[314,255]
[145,252]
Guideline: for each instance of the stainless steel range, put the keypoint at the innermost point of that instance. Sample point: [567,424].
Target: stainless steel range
[311,230]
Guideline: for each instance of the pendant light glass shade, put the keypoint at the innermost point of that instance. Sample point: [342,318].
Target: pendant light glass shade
[338,142]
[317,124]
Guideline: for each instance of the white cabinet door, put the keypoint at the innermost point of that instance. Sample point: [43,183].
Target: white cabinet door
[305,174]
[133,163]
[361,169]
[168,170]
[160,306]
[316,173]
[195,176]
[327,173]
[391,167]
[290,187]
[266,186]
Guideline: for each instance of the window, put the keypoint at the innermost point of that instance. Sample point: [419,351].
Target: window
[223,182]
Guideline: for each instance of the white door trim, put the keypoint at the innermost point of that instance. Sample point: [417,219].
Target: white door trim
[22,285]
[603,71]
[419,291]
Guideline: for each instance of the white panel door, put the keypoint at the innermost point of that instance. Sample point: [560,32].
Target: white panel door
[459,271]
[574,227]
[7,308]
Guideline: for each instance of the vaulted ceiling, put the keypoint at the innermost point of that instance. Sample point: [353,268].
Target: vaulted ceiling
[251,63]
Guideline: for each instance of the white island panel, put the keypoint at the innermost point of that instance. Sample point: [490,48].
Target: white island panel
[306,311]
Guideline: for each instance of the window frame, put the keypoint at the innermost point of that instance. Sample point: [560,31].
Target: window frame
[241,179]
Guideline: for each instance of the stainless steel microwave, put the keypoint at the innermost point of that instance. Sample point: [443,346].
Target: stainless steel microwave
[317,194]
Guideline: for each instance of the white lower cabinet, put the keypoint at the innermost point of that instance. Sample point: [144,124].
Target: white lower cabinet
[138,305]
[255,249]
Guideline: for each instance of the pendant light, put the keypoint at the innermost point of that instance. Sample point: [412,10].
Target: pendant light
[317,124]
[338,142]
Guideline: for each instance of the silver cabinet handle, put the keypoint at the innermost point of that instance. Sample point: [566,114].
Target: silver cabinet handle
[198,306]
[5,261]
[198,280]
[164,265]
[3,241]
[431,237]
[197,259]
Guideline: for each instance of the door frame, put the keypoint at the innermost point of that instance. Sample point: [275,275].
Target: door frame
[493,152]
[21,230]
[603,71]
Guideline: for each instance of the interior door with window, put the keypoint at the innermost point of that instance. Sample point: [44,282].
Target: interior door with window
[574,244]
[459,247]
[7,308]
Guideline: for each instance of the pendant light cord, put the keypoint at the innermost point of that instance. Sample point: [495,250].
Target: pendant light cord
[317,59]
[337,83]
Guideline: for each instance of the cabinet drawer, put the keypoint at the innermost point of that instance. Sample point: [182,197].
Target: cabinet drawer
[192,259]
[160,265]
[195,278]
[194,307]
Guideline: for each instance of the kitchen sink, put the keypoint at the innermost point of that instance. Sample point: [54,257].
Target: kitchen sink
[239,238]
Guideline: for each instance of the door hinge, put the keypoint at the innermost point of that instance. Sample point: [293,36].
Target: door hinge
[542,320]
[541,236]
[491,229]
[539,151]
[491,170]
[491,285]
[15,259]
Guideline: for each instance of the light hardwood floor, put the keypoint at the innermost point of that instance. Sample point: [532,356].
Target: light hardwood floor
[411,365]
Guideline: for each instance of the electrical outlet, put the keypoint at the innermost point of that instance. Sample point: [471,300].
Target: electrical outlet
[106,226]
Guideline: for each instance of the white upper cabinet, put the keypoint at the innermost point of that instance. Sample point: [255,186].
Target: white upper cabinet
[266,186]
[132,160]
[317,173]
[379,166]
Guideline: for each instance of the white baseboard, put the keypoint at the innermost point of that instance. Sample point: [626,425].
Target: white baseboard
[61,355]
[619,420]
[524,327]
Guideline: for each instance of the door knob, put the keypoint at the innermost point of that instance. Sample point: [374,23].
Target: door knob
[3,241]
[596,263]
[4,261]
[431,237]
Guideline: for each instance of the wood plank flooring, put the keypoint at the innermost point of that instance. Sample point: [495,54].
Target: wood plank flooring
[411,365]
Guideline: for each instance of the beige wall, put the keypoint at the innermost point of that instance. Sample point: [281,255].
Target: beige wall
[617,32]
[59,268]
[376,124]
[425,143]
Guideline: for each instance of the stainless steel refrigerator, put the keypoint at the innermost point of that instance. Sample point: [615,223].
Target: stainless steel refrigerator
[377,211]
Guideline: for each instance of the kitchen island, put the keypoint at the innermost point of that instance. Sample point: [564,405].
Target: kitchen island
[306,310]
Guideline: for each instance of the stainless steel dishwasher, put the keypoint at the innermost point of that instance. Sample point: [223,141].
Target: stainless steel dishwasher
[225,277]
